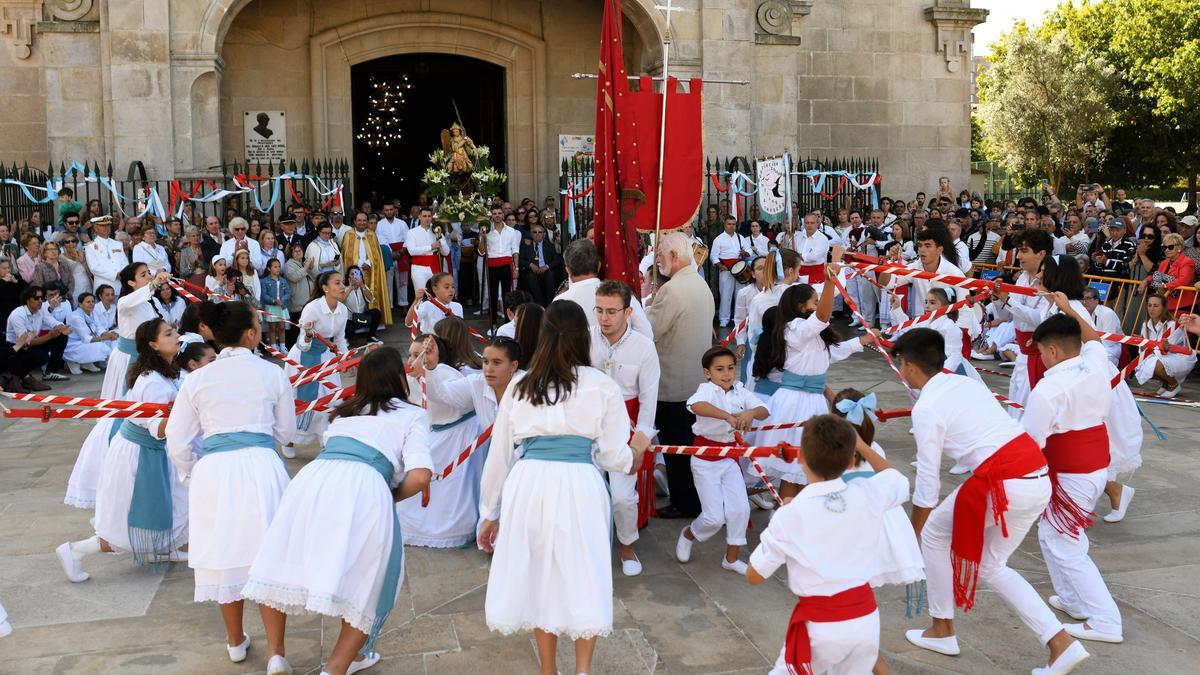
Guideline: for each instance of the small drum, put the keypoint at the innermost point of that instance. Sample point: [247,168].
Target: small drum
[741,271]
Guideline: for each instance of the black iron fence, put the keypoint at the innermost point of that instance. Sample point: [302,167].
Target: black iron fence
[267,196]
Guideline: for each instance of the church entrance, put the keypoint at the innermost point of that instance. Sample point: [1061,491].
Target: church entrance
[400,105]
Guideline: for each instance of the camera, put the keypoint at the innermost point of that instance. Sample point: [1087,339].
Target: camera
[876,234]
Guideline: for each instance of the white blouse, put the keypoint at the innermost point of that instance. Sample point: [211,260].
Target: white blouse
[466,393]
[806,351]
[428,315]
[401,435]
[440,410]
[237,392]
[154,256]
[152,387]
[134,309]
[330,323]
[951,335]
[594,410]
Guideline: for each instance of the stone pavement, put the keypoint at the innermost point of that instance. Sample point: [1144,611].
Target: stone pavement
[693,618]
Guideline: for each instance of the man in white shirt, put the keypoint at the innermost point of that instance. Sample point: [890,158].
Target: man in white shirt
[391,232]
[503,247]
[105,257]
[31,327]
[425,249]
[1106,321]
[1025,311]
[967,539]
[583,264]
[813,247]
[628,357]
[960,247]
[728,247]
[239,241]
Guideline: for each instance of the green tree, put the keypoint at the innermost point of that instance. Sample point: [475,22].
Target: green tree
[1044,109]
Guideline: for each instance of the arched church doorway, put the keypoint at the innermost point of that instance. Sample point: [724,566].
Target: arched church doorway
[401,103]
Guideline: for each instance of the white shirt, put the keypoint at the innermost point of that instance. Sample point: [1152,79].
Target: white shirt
[419,241]
[814,249]
[806,352]
[1106,321]
[428,315]
[151,387]
[741,310]
[20,321]
[920,287]
[952,336]
[256,255]
[391,231]
[503,242]
[734,401]
[440,411]
[105,317]
[830,550]
[760,303]
[508,330]
[83,327]
[594,409]
[470,392]
[759,245]
[105,258]
[330,323]
[173,313]
[727,246]
[842,237]
[237,392]
[1075,394]
[583,293]
[400,434]
[1026,311]
[964,256]
[154,256]
[134,309]
[633,364]
[956,416]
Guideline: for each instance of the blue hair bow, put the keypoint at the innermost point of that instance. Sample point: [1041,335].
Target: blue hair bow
[856,411]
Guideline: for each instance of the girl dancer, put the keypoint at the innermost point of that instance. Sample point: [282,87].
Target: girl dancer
[324,315]
[425,314]
[462,355]
[547,515]
[780,270]
[335,546]
[132,309]
[141,506]
[1168,368]
[243,405]
[946,324]
[449,519]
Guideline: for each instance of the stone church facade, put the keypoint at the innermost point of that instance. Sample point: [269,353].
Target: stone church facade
[167,82]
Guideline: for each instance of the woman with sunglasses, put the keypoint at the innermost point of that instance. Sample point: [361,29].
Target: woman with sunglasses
[1176,270]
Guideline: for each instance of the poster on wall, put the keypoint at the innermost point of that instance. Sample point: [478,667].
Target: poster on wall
[574,147]
[265,132]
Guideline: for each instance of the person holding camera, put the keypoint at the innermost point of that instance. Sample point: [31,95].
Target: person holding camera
[359,299]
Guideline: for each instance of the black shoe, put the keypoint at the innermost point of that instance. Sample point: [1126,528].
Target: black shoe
[670,511]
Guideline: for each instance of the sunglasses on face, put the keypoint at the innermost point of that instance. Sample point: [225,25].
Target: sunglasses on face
[1171,247]
[72,222]
[1147,236]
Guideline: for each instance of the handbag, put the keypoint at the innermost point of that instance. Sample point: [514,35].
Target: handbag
[360,318]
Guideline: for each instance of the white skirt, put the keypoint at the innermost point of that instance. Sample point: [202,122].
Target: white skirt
[87,352]
[85,476]
[1124,433]
[788,405]
[114,374]
[453,512]
[1178,366]
[900,559]
[327,548]
[552,569]
[232,498]
[115,492]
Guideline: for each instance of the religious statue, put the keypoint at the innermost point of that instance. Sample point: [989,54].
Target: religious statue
[457,146]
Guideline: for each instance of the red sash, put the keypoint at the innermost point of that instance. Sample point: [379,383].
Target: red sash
[815,274]
[1079,451]
[850,604]
[728,262]
[1014,459]
[966,346]
[1033,360]
[396,247]
[433,262]
[701,440]
[902,292]
[645,475]
[504,261]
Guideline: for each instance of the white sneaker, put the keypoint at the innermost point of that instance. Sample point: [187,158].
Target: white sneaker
[89,367]
[1057,603]
[631,568]
[958,470]
[735,566]
[1066,662]
[983,357]
[1171,393]
[1118,514]
[762,500]
[74,368]
[1080,631]
[356,666]
[70,565]
[278,666]
[1007,364]
[288,451]
[5,629]
[683,547]
[946,645]
[238,654]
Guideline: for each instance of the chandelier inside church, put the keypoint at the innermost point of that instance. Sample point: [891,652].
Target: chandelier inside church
[382,125]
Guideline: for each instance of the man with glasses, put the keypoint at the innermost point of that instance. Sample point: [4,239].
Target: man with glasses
[105,257]
[539,263]
[31,329]
[71,230]
[238,241]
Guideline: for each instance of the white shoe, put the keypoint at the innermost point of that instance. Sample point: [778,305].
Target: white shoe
[278,666]
[911,431]
[958,470]
[762,500]
[5,629]
[683,547]
[74,368]
[1160,391]
[70,565]
[1057,603]
[356,666]
[946,645]
[735,566]
[288,451]
[1065,662]
[1118,514]
[89,367]
[1008,364]
[1171,393]
[631,568]
[1080,631]
[983,357]
[238,654]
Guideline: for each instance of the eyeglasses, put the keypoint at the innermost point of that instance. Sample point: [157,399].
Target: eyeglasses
[72,222]
[38,297]
[70,241]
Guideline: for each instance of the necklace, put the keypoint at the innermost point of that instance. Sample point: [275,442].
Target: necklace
[610,360]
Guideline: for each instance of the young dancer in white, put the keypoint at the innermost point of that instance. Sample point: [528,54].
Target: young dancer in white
[544,506]
[1025,312]
[964,540]
[335,545]
[424,313]
[243,406]
[325,315]
[629,358]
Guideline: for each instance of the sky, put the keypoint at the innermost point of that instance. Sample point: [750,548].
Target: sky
[1002,15]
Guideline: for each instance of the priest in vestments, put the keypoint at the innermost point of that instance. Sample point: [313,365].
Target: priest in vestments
[361,247]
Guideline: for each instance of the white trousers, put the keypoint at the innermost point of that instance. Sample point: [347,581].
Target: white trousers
[420,275]
[623,489]
[840,647]
[1018,385]
[866,296]
[1027,499]
[729,288]
[398,285]
[1075,577]
[723,500]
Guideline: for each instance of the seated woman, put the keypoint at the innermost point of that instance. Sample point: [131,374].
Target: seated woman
[1169,368]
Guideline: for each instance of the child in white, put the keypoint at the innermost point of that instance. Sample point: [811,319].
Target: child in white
[829,536]
[424,313]
[1167,367]
[722,405]
[946,324]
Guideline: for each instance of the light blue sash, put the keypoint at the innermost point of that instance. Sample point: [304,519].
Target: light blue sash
[567,448]
[236,440]
[812,384]
[450,425]
[766,387]
[851,475]
[961,370]
[127,346]
[150,519]
[308,359]
[348,449]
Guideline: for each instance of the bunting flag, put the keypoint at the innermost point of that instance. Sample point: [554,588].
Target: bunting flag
[683,153]
[618,183]
[773,189]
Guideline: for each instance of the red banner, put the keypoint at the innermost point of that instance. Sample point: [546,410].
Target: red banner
[683,154]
